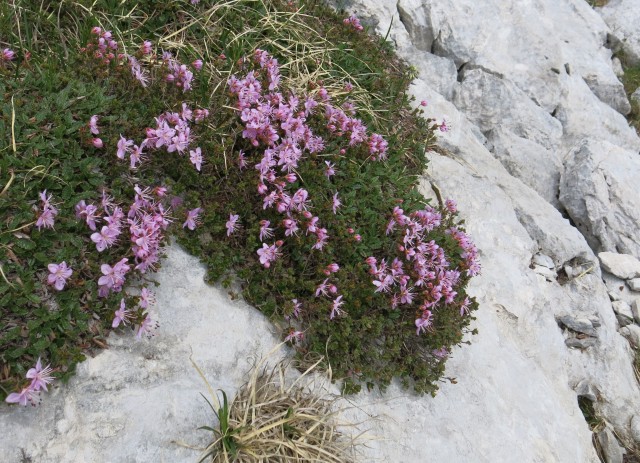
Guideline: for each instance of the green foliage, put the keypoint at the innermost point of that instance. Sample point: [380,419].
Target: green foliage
[52,94]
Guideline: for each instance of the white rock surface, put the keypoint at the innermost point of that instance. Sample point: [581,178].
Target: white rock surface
[537,167]
[634,284]
[621,265]
[601,193]
[623,17]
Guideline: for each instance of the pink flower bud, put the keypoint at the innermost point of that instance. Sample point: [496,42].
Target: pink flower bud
[279,243]
[170,78]
[96,31]
[333,289]
[282,207]
[291,177]
[358,238]
[333,268]
[343,151]
[197,64]
[307,214]
[351,230]
[423,103]
[262,188]
[97,143]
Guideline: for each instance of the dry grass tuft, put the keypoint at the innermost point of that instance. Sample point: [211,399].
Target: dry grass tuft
[274,419]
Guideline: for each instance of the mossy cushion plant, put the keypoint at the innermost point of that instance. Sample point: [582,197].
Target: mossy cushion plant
[274,140]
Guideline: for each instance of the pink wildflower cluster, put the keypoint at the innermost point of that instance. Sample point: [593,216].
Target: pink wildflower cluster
[104,49]
[147,220]
[177,73]
[353,22]
[278,125]
[147,325]
[47,212]
[40,378]
[422,275]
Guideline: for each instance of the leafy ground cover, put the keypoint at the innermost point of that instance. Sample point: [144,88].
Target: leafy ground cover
[273,140]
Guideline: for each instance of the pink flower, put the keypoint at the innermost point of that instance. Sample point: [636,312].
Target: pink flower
[105,238]
[7,55]
[147,298]
[323,288]
[294,336]
[231,224]
[425,322]
[197,64]
[335,308]
[97,142]
[330,170]
[123,147]
[331,268]
[147,327]
[58,275]
[423,103]
[122,315]
[113,278]
[297,307]
[93,125]
[268,254]
[265,231]
[193,218]
[48,213]
[196,158]
[146,47]
[39,376]
[335,204]
[24,397]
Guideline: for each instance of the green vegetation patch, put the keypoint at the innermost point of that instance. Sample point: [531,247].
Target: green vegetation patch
[273,140]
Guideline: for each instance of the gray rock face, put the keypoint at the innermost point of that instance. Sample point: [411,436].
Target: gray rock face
[613,452]
[634,284]
[537,166]
[623,17]
[490,101]
[632,333]
[600,191]
[621,265]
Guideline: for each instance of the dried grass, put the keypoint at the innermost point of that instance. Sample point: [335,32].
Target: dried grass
[275,418]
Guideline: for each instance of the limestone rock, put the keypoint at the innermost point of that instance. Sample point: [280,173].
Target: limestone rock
[579,325]
[438,72]
[613,451]
[543,260]
[537,166]
[632,333]
[583,115]
[490,101]
[634,284]
[581,342]
[617,67]
[622,308]
[635,428]
[623,17]
[600,191]
[621,265]
[635,310]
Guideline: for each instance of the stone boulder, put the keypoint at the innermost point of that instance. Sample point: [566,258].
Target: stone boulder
[623,17]
[600,191]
